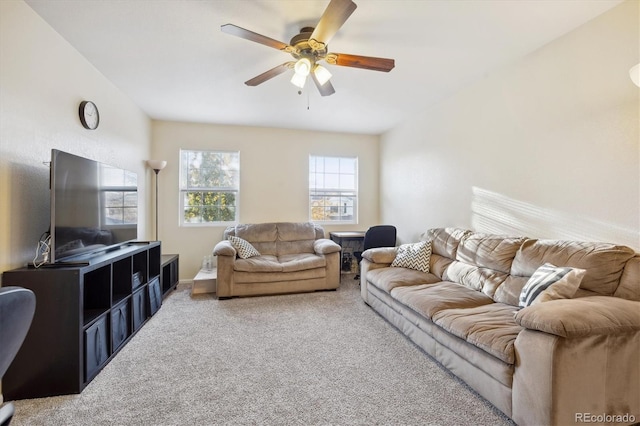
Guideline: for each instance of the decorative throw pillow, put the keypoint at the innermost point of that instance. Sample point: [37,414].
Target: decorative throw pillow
[243,247]
[413,256]
[551,282]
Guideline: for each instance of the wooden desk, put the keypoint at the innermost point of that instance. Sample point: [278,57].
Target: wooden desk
[350,241]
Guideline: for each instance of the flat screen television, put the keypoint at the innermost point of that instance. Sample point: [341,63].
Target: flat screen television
[94,207]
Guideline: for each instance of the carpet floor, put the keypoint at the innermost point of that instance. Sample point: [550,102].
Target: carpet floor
[322,358]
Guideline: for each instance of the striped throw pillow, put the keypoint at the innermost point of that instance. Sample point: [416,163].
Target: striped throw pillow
[550,282]
[243,247]
[413,256]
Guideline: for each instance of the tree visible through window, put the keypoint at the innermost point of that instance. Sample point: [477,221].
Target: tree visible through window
[333,189]
[209,186]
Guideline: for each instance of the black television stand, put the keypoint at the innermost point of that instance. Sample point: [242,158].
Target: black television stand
[85,313]
[61,264]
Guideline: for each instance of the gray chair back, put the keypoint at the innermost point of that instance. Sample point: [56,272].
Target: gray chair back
[17,307]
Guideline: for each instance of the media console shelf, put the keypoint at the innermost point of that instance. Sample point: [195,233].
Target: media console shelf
[84,316]
[170,272]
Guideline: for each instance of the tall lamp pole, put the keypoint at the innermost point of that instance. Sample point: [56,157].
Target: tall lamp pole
[157,165]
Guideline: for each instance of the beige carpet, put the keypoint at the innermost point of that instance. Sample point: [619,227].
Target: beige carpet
[322,358]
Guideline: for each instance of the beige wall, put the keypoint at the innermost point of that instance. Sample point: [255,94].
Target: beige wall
[273,179]
[547,147]
[42,81]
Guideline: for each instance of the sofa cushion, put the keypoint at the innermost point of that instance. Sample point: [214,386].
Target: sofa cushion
[509,291]
[262,236]
[256,232]
[603,262]
[429,299]
[490,327]
[386,279]
[263,263]
[483,261]
[294,231]
[550,282]
[301,262]
[243,247]
[294,247]
[475,277]
[445,241]
[413,256]
[489,251]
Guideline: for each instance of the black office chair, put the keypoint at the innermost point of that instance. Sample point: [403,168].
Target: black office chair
[17,306]
[376,236]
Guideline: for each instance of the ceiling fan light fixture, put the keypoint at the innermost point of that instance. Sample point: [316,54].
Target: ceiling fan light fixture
[303,67]
[322,74]
[299,80]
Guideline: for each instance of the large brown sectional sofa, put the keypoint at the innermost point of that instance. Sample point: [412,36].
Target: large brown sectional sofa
[288,257]
[559,362]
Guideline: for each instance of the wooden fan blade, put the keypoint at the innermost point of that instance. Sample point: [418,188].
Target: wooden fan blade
[250,35]
[334,16]
[325,89]
[365,62]
[267,75]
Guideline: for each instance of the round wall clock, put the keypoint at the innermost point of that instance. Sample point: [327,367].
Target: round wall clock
[89,116]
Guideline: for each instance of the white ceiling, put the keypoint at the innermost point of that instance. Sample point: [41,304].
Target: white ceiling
[172,60]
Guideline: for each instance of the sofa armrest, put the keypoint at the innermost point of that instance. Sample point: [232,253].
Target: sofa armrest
[325,246]
[380,254]
[556,379]
[224,248]
[585,316]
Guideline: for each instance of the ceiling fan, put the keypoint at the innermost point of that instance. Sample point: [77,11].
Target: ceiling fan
[310,47]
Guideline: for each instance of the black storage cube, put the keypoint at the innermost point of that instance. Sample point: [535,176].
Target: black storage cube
[96,351]
[136,280]
[120,324]
[155,296]
[139,308]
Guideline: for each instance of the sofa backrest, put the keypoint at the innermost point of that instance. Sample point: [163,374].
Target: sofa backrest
[603,262]
[444,246]
[278,238]
[482,261]
[500,266]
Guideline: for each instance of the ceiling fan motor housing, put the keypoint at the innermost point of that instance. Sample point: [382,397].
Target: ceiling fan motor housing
[305,47]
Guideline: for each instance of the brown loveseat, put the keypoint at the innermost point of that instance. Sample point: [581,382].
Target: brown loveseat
[283,257]
[566,361]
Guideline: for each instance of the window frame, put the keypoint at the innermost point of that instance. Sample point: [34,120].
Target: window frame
[337,191]
[123,190]
[228,189]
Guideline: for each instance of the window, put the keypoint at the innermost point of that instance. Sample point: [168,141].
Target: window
[209,187]
[119,196]
[333,189]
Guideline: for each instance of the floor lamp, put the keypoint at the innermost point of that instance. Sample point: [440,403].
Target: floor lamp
[157,165]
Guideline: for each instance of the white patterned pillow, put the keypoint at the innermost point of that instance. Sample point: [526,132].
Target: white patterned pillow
[243,247]
[550,282]
[413,256]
